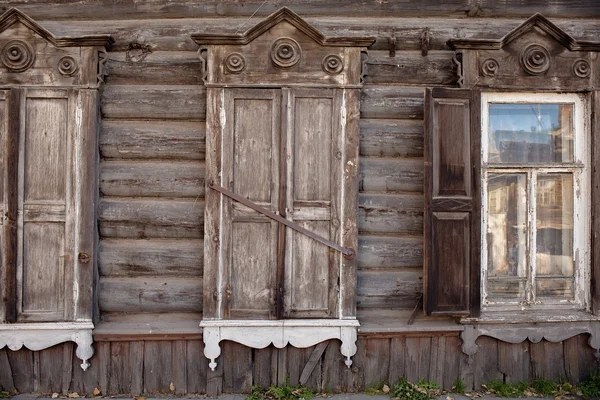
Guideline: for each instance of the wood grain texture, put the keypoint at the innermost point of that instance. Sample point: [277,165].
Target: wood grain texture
[150,294]
[166,140]
[391,137]
[390,175]
[378,251]
[410,67]
[155,68]
[389,288]
[390,213]
[402,102]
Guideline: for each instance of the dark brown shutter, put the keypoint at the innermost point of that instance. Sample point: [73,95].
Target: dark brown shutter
[595,284]
[452,217]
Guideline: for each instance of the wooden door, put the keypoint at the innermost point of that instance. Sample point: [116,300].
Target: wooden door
[46,195]
[250,168]
[313,193]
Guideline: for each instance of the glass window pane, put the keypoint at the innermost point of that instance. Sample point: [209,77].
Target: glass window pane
[506,234]
[532,132]
[554,233]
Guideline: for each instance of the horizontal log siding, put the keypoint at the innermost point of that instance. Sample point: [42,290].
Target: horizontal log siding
[179,367]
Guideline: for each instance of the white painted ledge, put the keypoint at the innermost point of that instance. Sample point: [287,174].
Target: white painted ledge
[39,336]
[260,334]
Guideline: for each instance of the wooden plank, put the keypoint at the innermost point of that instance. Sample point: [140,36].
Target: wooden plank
[486,361]
[103,350]
[158,366]
[262,371]
[391,137]
[90,10]
[380,288]
[377,101]
[333,364]
[21,364]
[120,368]
[154,102]
[418,357]
[51,369]
[197,366]
[150,257]
[237,367]
[179,367]
[353,379]
[155,68]
[397,356]
[129,218]
[390,213]
[86,381]
[437,69]
[136,365]
[148,326]
[6,375]
[311,364]
[214,379]
[513,361]
[122,139]
[595,205]
[152,179]
[579,358]
[377,362]
[390,175]
[155,294]
[453,355]
[547,361]
[378,251]
[173,34]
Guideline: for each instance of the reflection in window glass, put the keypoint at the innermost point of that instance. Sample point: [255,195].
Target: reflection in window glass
[507,235]
[554,235]
[530,133]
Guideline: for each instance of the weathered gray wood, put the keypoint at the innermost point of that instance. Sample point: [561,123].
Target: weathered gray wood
[166,257]
[52,369]
[579,357]
[391,137]
[389,102]
[377,361]
[150,294]
[451,366]
[154,102]
[180,9]
[196,367]
[410,67]
[486,367]
[390,175]
[158,366]
[389,288]
[353,379]
[128,218]
[136,365]
[152,179]
[155,68]
[333,362]
[179,367]
[21,364]
[418,356]
[378,251]
[120,368]
[397,355]
[262,367]
[237,368]
[390,213]
[315,358]
[6,375]
[547,360]
[514,361]
[121,139]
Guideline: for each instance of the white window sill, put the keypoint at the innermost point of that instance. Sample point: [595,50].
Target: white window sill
[39,336]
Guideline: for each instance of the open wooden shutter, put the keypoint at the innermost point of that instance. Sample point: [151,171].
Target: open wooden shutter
[452,216]
[314,186]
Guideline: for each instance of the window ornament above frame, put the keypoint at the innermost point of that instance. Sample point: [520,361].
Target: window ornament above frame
[511,142]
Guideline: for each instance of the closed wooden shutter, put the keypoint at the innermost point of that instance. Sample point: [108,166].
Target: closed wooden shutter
[452,216]
[595,170]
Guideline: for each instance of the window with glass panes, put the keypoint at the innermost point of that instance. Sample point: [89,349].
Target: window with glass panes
[535,187]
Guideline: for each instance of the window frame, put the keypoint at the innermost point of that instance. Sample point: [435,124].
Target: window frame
[580,168]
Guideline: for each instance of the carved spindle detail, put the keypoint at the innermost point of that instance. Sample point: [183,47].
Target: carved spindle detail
[17,55]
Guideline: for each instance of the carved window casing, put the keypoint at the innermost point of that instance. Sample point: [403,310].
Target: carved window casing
[282,136]
[48,129]
[535,66]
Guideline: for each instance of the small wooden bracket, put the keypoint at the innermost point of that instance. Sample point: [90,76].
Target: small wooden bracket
[393,43]
[425,38]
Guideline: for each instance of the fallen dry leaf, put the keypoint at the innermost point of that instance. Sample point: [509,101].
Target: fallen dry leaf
[54,395]
[172,387]
[385,389]
[96,392]
[74,395]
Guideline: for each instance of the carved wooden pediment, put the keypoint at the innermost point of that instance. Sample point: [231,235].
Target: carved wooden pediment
[31,55]
[535,55]
[282,49]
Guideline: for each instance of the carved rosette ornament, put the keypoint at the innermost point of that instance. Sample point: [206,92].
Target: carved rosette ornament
[490,67]
[535,59]
[581,69]
[333,64]
[285,53]
[17,56]
[235,63]
[67,66]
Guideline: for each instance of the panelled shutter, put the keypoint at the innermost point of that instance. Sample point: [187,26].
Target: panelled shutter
[452,205]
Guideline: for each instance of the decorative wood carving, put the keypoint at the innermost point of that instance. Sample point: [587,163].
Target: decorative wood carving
[17,55]
[235,63]
[41,336]
[537,55]
[333,64]
[285,53]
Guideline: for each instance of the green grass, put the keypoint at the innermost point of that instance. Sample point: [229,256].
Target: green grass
[591,386]
[506,389]
[459,386]
[283,392]
[422,390]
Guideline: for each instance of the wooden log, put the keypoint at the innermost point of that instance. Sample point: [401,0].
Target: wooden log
[121,139]
[437,69]
[89,9]
[400,102]
[376,251]
[155,294]
[390,175]
[129,218]
[391,137]
[165,257]
[162,34]
[154,68]
[390,213]
[389,288]
[154,102]
[152,179]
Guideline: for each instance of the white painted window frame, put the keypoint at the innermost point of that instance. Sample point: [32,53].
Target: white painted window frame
[581,196]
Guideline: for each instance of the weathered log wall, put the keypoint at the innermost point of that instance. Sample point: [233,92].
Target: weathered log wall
[152,366]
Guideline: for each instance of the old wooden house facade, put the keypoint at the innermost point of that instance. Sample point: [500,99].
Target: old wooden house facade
[203,196]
